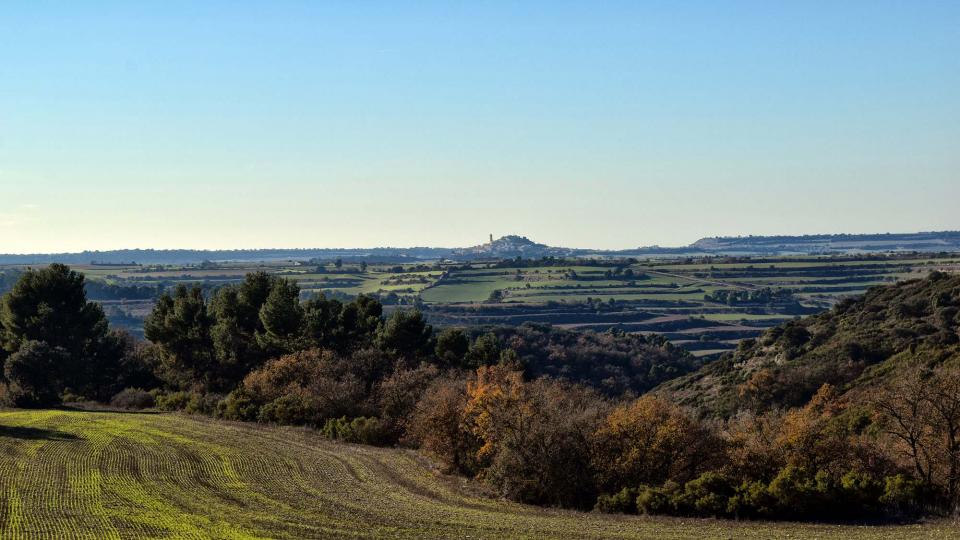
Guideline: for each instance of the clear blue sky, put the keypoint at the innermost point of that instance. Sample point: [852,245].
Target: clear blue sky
[604,124]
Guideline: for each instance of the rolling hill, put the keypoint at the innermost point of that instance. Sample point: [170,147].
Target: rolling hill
[858,343]
[92,474]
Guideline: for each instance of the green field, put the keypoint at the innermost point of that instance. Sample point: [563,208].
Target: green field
[103,475]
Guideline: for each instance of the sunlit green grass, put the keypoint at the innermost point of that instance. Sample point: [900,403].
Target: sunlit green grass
[74,474]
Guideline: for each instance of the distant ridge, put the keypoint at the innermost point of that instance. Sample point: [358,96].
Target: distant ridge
[521,246]
[922,241]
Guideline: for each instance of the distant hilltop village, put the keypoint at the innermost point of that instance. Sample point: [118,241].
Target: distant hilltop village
[513,246]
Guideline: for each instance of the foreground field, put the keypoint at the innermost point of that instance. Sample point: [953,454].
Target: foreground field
[78,474]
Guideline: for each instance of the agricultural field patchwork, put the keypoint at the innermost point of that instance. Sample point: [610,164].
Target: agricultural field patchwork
[103,475]
[706,305]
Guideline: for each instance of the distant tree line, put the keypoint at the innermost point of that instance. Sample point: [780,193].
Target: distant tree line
[752,296]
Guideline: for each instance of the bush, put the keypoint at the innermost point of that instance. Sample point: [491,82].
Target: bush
[399,393]
[202,403]
[189,402]
[655,501]
[902,496]
[536,437]
[307,387]
[133,398]
[649,441]
[287,409]
[238,405]
[360,430]
[707,495]
[861,493]
[173,401]
[622,502]
[751,500]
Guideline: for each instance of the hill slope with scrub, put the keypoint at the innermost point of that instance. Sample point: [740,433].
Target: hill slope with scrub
[859,344]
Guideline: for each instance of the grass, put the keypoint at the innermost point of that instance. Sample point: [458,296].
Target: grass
[82,474]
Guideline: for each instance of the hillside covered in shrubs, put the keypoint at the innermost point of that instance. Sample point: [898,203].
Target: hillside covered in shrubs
[859,343]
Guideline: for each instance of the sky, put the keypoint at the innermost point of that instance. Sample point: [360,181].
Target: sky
[209,124]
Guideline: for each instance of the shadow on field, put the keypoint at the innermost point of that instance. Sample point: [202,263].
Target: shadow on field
[30,433]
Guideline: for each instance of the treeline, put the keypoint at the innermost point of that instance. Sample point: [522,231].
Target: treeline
[752,296]
[205,342]
[101,290]
[96,290]
[548,442]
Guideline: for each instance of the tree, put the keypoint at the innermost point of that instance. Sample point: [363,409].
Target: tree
[246,331]
[650,441]
[180,325]
[921,412]
[439,426]
[535,436]
[281,317]
[49,307]
[232,333]
[406,334]
[452,347]
[35,374]
[358,323]
[485,351]
[320,321]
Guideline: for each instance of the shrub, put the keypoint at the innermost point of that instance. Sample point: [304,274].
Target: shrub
[536,437]
[707,495]
[795,491]
[861,493]
[173,401]
[238,405]
[751,500]
[133,398]
[286,409]
[360,430]
[622,502]
[902,496]
[398,394]
[657,500]
[202,403]
[307,387]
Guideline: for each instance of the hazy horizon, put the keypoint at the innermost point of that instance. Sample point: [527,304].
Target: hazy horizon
[181,125]
[464,245]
